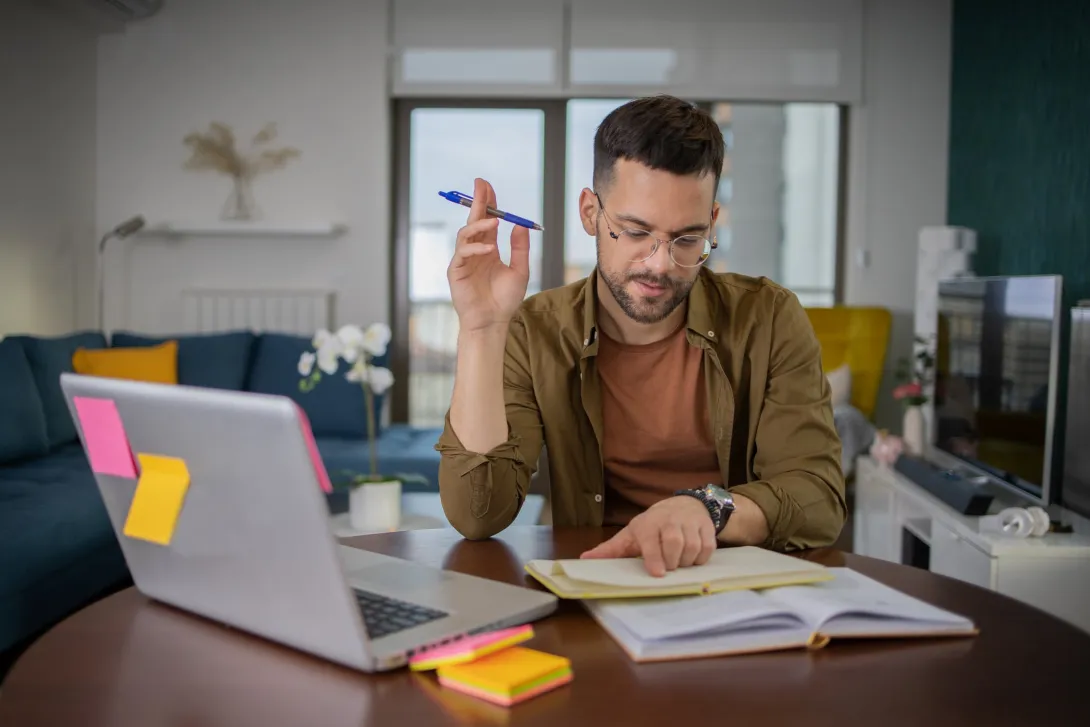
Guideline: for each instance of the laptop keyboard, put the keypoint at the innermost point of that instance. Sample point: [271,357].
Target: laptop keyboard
[384,615]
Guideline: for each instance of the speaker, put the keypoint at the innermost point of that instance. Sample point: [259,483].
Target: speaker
[962,494]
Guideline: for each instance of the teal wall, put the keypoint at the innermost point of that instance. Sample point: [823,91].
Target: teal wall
[1020,137]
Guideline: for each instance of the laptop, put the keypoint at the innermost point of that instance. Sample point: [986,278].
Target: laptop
[252,546]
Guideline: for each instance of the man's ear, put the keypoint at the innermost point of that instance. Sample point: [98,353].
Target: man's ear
[588,211]
[715,213]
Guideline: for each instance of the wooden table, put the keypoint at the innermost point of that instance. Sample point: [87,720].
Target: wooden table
[127,661]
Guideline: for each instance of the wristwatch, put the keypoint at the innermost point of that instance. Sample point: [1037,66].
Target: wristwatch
[717,499]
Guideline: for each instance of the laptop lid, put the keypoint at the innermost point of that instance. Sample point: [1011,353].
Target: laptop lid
[250,545]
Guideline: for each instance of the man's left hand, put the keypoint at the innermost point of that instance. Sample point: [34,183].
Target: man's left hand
[676,532]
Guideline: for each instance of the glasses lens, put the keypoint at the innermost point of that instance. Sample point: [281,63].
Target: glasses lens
[637,244]
[690,250]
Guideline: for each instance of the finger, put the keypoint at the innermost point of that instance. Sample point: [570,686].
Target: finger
[673,543]
[475,230]
[693,546]
[708,544]
[490,193]
[470,250]
[620,545]
[480,200]
[520,250]
[651,549]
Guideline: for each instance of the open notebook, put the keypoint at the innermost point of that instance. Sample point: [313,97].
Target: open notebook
[727,569]
[850,605]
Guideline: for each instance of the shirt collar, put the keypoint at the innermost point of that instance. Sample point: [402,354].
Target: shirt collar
[702,317]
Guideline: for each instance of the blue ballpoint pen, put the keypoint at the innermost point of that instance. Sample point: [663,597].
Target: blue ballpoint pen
[467,201]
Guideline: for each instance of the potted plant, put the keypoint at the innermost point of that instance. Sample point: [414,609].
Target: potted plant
[916,375]
[374,498]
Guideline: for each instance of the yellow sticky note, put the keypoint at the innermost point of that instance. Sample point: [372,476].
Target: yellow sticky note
[160,493]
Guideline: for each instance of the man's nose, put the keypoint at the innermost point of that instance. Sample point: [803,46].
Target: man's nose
[660,261]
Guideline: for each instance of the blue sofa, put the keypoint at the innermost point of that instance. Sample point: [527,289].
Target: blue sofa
[58,549]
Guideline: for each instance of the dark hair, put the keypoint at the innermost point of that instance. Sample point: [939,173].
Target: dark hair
[660,132]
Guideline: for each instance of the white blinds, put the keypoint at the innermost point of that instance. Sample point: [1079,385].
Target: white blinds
[477,47]
[775,50]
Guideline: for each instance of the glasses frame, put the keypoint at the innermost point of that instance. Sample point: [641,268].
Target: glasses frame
[709,245]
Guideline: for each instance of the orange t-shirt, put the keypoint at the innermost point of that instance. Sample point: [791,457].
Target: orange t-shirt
[655,427]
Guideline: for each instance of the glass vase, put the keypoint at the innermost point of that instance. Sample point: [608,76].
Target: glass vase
[240,204]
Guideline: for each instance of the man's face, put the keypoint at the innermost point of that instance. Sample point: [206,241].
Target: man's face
[657,202]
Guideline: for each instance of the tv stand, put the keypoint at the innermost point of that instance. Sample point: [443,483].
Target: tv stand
[898,520]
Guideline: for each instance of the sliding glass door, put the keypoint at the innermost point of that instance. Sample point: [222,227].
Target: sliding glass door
[444,148]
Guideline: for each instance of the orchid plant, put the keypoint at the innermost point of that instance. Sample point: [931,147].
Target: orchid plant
[358,348]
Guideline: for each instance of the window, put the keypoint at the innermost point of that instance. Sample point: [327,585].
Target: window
[779,217]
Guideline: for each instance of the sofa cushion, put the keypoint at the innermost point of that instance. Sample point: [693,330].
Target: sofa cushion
[59,548]
[22,420]
[335,406]
[155,364]
[211,360]
[49,358]
[402,449]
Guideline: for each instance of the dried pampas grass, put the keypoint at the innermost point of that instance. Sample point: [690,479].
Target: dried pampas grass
[216,150]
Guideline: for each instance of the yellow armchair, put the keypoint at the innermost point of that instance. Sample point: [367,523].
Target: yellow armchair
[857,336]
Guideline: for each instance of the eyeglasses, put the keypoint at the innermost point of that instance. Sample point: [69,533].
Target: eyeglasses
[687,251]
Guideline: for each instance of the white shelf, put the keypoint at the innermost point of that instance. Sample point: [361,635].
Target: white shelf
[244,229]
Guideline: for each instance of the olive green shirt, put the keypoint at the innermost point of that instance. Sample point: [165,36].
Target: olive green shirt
[768,402]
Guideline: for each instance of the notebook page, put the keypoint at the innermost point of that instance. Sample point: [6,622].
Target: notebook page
[724,564]
[854,595]
[666,618]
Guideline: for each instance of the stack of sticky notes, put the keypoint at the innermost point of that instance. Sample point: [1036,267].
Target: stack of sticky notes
[508,677]
[491,666]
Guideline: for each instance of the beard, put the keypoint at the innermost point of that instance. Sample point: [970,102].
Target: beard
[644,309]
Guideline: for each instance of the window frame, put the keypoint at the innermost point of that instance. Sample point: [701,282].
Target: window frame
[554,207]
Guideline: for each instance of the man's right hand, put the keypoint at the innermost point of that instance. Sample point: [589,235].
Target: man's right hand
[485,291]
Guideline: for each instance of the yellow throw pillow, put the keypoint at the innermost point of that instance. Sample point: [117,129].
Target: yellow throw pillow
[156,364]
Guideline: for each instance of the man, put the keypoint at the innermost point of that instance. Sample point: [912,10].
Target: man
[688,406]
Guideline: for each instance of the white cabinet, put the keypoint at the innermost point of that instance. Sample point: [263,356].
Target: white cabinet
[896,520]
[954,556]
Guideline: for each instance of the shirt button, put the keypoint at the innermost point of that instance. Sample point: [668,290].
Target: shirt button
[597,498]
[586,342]
[711,334]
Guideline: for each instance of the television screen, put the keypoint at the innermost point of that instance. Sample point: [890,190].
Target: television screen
[996,354]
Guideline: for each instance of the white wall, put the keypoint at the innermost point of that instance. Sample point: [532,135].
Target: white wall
[898,162]
[318,70]
[47,167]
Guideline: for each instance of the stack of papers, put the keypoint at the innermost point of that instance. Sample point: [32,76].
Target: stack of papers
[509,676]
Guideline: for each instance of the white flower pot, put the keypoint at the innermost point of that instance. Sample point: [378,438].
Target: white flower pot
[375,506]
[914,430]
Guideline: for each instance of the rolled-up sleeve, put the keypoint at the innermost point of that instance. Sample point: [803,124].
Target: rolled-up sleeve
[482,493]
[800,485]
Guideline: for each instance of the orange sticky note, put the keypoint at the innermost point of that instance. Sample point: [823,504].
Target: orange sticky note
[107,445]
[157,503]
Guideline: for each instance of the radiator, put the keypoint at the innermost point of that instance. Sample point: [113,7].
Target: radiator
[276,311]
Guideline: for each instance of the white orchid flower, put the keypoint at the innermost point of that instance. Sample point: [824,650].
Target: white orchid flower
[320,339]
[376,338]
[358,372]
[306,363]
[328,354]
[380,379]
[351,338]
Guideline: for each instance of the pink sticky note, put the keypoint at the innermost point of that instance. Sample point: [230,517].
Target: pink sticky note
[470,648]
[312,447]
[104,434]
